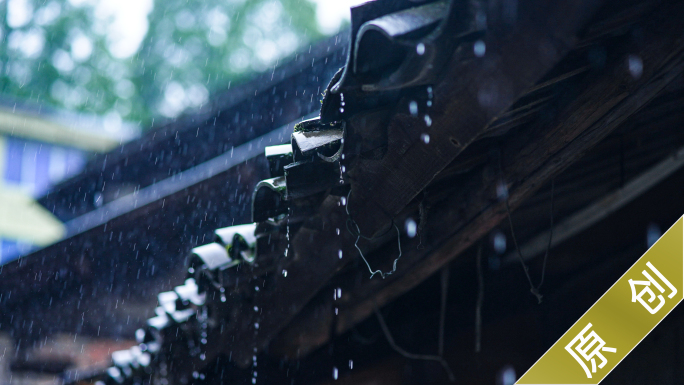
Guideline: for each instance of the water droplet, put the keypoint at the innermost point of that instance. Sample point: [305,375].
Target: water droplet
[337,231]
[284,273]
[343,200]
[413,108]
[201,376]
[339,292]
[253,380]
[635,65]
[343,169]
[428,120]
[429,91]
[256,325]
[195,375]
[203,356]
[420,48]
[501,191]
[499,242]
[425,138]
[336,311]
[479,48]
[256,288]
[339,253]
[351,364]
[335,373]
[256,308]
[653,233]
[203,341]
[341,110]
[429,103]
[411,227]
[223,297]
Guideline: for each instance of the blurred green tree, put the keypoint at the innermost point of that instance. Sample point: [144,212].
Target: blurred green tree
[67,52]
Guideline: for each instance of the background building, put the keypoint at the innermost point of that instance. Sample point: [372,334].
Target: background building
[40,147]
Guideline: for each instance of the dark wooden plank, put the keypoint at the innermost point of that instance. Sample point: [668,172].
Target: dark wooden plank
[533,159]
[472,94]
[530,158]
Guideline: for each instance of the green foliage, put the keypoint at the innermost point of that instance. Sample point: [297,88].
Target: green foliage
[193,48]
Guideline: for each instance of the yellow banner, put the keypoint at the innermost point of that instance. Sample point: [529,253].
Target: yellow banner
[619,320]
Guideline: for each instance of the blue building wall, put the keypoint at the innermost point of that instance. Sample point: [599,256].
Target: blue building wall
[32,167]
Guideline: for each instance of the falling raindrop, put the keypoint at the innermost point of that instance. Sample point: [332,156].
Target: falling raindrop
[341,110]
[284,273]
[428,120]
[429,103]
[339,253]
[653,233]
[479,48]
[425,138]
[499,242]
[501,191]
[413,108]
[351,364]
[287,235]
[335,373]
[203,356]
[411,227]
[635,65]
[256,288]
[420,48]
[195,374]
[337,231]
[339,292]
[343,200]
[507,376]
[256,325]
[256,308]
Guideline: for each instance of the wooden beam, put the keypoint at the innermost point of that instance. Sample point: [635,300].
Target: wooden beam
[600,209]
[530,159]
[513,63]
[533,160]
[471,95]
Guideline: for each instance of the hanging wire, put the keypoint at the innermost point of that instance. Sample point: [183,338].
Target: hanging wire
[548,246]
[357,233]
[533,289]
[409,355]
[526,269]
[480,300]
[444,280]
[422,212]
